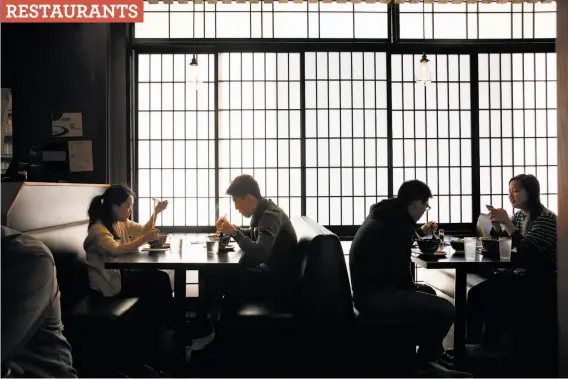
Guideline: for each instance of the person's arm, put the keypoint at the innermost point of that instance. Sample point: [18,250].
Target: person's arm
[135,229]
[159,208]
[541,238]
[106,242]
[246,231]
[257,252]
[393,243]
[28,275]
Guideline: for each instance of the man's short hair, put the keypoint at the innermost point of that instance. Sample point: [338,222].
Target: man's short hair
[244,185]
[413,190]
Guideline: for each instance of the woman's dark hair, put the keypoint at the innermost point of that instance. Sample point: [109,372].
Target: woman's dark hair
[101,206]
[530,184]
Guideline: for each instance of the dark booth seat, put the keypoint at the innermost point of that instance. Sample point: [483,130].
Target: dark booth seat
[77,299]
[323,331]
[96,327]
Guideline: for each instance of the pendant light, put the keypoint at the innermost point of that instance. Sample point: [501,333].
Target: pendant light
[193,74]
[423,75]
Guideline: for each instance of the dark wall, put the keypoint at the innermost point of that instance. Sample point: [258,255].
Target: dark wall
[65,68]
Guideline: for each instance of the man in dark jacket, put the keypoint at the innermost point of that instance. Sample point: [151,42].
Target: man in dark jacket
[270,245]
[33,344]
[380,269]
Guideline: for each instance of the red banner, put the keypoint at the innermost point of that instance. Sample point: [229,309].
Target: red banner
[74,11]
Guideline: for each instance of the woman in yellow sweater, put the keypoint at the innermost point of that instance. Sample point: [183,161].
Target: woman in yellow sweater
[111,234]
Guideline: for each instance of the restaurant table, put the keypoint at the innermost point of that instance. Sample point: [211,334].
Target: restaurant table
[456,260]
[187,252]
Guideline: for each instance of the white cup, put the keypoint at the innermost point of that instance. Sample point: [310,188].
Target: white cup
[505,248]
[470,246]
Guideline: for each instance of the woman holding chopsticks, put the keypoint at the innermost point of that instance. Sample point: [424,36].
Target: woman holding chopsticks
[111,233]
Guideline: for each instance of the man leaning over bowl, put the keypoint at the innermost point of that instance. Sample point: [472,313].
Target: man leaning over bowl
[271,260]
[381,272]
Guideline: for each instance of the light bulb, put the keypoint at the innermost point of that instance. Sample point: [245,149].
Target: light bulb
[193,75]
[423,75]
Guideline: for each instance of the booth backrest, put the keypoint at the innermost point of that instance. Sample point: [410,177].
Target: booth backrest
[56,214]
[324,293]
[66,245]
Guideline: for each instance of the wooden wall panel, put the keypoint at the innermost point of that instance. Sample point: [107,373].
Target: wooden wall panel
[562,62]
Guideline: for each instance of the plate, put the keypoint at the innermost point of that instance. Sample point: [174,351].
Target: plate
[229,247]
[438,253]
[155,248]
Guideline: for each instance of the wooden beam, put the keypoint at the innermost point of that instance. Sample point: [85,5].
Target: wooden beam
[562,220]
[457,1]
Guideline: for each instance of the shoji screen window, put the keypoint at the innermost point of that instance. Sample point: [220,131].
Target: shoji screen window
[517,125]
[259,127]
[346,135]
[431,131]
[175,130]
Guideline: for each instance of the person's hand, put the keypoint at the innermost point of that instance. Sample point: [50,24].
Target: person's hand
[499,215]
[429,228]
[220,221]
[152,235]
[225,226]
[160,206]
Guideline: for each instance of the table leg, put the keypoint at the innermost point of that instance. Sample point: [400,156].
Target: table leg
[460,302]
[179,339]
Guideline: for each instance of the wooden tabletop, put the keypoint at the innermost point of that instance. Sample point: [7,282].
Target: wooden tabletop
[191,256]
[451,260]
[455,259]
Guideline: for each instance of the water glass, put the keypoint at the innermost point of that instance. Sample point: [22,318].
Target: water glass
[441,234]
[505,248]
[470,247]
[212,246]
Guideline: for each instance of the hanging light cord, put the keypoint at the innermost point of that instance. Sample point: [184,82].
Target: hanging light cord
[194,56]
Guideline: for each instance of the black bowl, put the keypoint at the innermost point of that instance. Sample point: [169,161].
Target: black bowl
[159,242]
[224,241]
[490,245]
[457,245]
[428,246]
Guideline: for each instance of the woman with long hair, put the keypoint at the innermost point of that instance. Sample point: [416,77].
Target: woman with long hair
[111,234]
[515,298]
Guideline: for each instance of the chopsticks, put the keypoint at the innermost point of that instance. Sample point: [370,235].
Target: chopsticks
[417,235]
[219,230]
[154,213]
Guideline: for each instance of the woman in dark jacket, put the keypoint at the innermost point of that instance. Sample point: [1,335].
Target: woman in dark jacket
[513,299]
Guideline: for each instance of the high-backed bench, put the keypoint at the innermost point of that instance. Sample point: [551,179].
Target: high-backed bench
[56,214]
[322,334]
